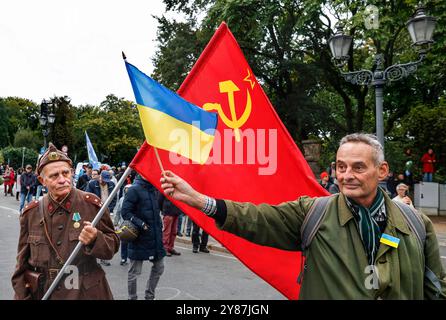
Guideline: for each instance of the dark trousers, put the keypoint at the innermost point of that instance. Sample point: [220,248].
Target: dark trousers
[124,250]
[196,241]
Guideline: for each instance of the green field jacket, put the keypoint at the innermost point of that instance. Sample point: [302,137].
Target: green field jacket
[336,263]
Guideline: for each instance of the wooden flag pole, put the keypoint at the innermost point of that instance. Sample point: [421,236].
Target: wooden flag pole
[159,160]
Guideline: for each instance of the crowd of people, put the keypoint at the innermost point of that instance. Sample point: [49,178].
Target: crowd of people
[136,200]
[353,179]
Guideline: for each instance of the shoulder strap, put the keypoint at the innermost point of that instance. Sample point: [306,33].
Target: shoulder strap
[313,220]
[417,225]
[415,222]
[42,217]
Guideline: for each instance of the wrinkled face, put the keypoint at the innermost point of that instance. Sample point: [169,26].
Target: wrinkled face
[357,173]
[57,177]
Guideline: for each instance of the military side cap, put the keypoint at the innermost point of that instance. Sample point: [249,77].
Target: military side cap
[52,154]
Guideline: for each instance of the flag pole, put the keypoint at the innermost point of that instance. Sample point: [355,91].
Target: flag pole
[159,160]
[79,245]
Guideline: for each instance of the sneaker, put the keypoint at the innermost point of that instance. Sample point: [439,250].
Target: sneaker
[175,252]
[195,250]
[123,262]
[187,234]
[179,234]
[205,250]
[168,254]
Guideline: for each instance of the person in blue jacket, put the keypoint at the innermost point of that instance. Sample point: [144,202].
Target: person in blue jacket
[140,206]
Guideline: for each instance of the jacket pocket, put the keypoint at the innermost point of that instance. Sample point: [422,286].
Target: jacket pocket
[39,250]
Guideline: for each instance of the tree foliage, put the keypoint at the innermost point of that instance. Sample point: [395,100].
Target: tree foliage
[113,126]
[27,138]
[13,156]
[285,43]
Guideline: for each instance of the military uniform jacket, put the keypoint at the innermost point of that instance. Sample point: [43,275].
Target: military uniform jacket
[336,261]
[35,253]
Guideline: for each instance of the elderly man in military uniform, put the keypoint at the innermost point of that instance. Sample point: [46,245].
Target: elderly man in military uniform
[50,230]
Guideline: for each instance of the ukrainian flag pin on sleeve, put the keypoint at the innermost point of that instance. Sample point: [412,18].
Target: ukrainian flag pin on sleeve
[389,240]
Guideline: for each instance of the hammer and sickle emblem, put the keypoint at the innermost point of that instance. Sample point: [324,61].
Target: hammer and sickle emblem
[229,88]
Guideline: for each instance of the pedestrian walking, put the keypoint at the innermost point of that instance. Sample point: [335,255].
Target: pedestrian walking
[8,180]
[140,206]
[170,224]
[199,239]
[27,182]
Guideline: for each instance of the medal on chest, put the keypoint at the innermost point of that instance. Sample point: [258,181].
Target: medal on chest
[76,219]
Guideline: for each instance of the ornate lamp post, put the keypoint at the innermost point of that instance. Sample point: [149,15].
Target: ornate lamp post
[420,27]
[46,117]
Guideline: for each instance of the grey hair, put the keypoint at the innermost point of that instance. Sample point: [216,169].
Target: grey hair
[405,186]
[368,139]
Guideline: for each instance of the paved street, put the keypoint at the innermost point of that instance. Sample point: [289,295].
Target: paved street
[190,276]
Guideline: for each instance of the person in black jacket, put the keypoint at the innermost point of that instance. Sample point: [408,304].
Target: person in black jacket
[103,188]
[140,206]
[27,182]
[83,180]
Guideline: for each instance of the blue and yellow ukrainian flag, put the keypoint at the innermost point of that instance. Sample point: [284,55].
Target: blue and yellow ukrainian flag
[170,122]
[389,240]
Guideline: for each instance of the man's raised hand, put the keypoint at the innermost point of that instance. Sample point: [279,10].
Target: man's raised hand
[178,189]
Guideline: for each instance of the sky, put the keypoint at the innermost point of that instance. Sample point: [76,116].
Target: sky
[73,48]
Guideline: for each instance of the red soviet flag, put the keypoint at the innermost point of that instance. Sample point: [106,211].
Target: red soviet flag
[253,159]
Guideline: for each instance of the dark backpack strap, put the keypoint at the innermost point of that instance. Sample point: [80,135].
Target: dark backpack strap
[415,222]
[310,226]
[313,220]
[417,225]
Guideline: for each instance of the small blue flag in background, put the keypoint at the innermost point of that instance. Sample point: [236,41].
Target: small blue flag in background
[92,158]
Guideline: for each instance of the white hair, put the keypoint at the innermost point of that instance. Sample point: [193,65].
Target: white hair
[402,185]
[368,139]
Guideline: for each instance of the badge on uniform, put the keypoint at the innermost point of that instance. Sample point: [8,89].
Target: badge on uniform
[76,219]
[389,240]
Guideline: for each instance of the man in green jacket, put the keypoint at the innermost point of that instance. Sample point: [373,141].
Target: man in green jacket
[345,260]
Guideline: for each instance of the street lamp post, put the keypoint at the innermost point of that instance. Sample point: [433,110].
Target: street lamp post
[46,117]
[420,27]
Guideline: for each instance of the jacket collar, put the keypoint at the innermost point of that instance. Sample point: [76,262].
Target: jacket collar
[65,204]
[394,216]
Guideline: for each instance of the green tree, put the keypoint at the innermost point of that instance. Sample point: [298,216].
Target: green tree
[285,43]
[13,156]
[114,129]
[16,113]
[28,138]
[61,132]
